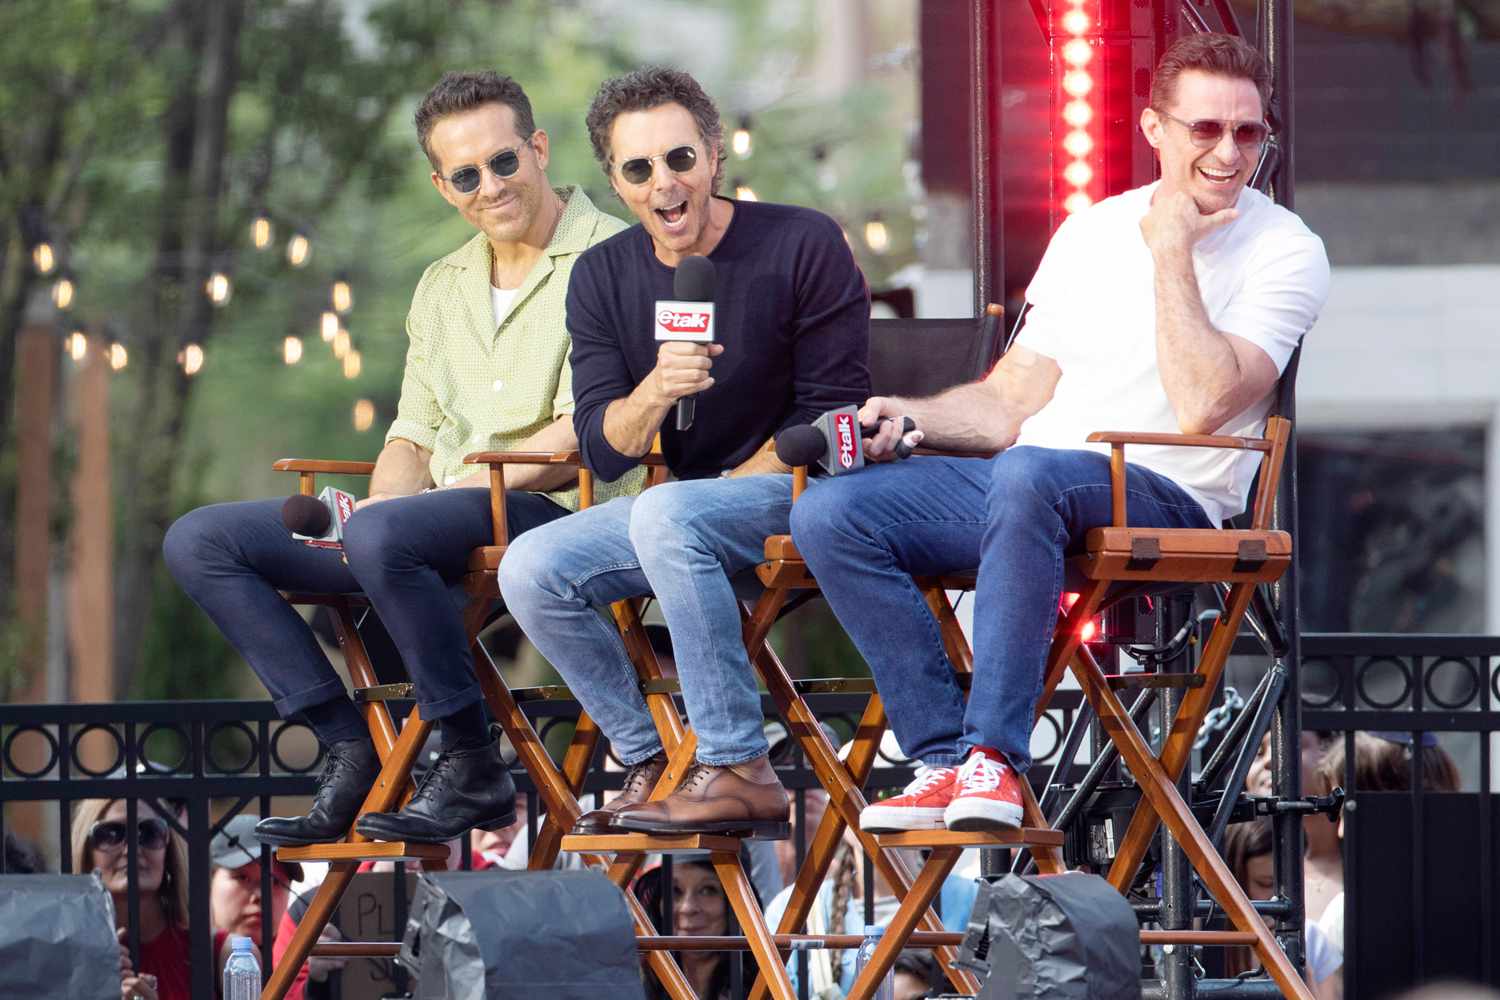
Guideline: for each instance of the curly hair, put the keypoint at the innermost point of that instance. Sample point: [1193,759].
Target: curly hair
[465,91]
[1212,53]
[652,87]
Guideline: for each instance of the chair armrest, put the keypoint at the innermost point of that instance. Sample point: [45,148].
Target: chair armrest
[315,465]
[523,458]
[1181,440]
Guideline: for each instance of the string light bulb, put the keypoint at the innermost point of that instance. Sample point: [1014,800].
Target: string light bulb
[63,291]
[328,326]
[118,356]
[1077,202]
[352,364]
[364,415]
[1077,52]
[341,344]
[191,359]
[77,346]
[44,258]
[341,295]
[740,141]
[877,237]
[1075,22]
[298,250]
[1078,113]
[291,350]
[262,232]
[1078,144]
[218,288]
[743,192]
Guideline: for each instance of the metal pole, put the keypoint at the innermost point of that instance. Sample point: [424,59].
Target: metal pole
[988,194]
[1176,969]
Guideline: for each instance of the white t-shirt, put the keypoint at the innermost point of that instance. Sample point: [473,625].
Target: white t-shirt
[501,299]
[1263,278]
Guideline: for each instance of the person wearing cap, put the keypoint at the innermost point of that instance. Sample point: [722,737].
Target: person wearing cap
[235,903]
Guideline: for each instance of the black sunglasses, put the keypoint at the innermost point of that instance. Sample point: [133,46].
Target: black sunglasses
[680,159]
[1206,132]
[465,180]
[149,833]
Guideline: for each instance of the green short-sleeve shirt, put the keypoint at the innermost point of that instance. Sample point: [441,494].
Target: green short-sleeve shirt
[474,385]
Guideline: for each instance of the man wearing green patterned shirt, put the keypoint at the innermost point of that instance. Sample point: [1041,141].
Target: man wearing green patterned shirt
[486,369]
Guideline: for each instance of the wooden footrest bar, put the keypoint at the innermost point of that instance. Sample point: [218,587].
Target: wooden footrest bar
[1026,837]
[369,850]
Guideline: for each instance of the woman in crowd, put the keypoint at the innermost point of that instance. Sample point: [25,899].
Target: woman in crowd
[699,906]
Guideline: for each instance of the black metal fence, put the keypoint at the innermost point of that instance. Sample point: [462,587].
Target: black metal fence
[1425,862]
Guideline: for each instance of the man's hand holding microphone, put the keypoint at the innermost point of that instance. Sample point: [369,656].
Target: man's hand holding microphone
[888,433]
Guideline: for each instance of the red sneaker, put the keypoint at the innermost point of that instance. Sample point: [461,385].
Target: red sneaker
[919,807]
[986,796]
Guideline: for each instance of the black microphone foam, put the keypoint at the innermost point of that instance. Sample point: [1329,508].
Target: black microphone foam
[801,445]
[694,280]
[305,515]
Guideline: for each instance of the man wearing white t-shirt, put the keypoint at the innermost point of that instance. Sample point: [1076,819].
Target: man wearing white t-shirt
[1170,308]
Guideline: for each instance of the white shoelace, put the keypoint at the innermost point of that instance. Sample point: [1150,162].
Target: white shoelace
[926,778]
[979,774]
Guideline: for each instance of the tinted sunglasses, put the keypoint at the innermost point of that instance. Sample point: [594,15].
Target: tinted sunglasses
[149,833]
[1207,132]
[680,160]
[465,180]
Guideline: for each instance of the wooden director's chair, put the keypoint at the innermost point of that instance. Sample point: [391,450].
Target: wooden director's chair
[398,749]
[1135,558]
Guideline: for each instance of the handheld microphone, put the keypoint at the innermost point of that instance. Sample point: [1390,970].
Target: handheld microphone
[833,442]
[688,317]
[318,521]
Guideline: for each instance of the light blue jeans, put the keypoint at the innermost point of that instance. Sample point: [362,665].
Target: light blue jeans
[682,542]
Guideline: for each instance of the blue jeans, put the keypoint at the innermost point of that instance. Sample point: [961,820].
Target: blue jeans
[407,555]
[1015,517]
[682,542]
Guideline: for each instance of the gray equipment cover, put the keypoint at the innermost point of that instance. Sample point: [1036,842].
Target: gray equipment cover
[57,938]
[1064,937]
[564,935]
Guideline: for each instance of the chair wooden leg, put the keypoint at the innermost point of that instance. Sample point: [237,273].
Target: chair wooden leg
[325,900]
[954,643]
[362,675]
[926,887]
[1160,790]
[742,898]
[1177,748]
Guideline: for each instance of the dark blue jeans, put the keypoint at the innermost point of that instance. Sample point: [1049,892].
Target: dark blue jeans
[1015,517]
[407,555]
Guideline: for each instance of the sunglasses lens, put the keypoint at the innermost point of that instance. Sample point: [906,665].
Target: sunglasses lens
[152,833]
[465,180]
[1206,133]
[636,171]
[1249,134]
[682,159]
[506,163]
[110,833]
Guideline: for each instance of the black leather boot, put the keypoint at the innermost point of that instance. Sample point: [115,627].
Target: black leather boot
[348,772]
[468,786]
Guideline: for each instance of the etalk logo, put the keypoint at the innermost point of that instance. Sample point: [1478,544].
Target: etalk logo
[345,504]
[684,321]
[844,439]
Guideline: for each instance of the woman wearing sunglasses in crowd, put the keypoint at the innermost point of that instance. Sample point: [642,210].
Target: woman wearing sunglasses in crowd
[99,843]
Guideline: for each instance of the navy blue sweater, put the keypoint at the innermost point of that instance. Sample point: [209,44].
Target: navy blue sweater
[791,309]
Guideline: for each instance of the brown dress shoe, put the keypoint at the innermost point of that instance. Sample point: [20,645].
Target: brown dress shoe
[639,781]
[713,800]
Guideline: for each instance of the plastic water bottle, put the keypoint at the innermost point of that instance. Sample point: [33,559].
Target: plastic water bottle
[241,972]
[887,988]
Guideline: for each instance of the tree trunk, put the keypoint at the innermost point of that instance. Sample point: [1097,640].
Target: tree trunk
[196,127]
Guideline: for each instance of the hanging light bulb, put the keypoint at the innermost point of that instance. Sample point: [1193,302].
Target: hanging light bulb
[741,142]
[262,232]
[291,350]
[828,178]
[77,345]
[352,363]
[341,343]
[342,296]
[298,249]
[328,326]
[364,415]
[63,291]
[743,191]
[191,359]
[118,356]
[218,288]
[44,258]
[877,237]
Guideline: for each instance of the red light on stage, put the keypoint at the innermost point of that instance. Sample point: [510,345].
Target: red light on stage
[1077,45]
[1090,628]
[1076,22]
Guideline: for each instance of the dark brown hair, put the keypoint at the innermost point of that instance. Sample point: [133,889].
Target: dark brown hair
[1216,54]
[652,87]
[465,91]
[1242,843]
[1382,765]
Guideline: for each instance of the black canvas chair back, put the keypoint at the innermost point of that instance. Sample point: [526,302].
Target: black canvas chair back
[921,357]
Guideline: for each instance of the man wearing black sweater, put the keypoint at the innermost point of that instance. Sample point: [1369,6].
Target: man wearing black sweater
[792,327]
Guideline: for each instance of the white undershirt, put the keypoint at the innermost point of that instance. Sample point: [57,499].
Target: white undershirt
[501,299]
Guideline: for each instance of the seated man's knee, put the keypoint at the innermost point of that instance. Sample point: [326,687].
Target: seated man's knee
[820,514]
[1025,471]
[528,570]
[661,516]
[370,535]
[192,542]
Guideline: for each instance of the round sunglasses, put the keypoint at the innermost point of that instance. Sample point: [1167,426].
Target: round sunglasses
[680,160]
[465,180]
[1207,132]
[149,833]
